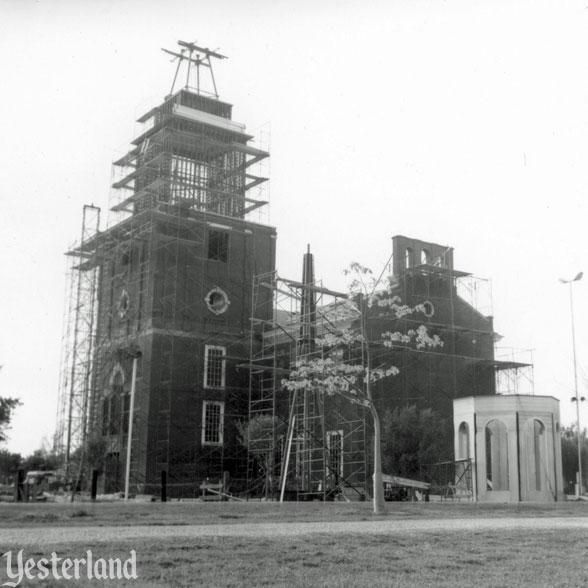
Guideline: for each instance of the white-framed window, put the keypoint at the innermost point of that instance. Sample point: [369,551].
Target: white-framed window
[335,450]
[213,412]
[214,366]
[217,301]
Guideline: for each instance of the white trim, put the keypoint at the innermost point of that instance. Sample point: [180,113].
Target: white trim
[223,294]
[219,226]
[117,369]
[209,119]
[432,312]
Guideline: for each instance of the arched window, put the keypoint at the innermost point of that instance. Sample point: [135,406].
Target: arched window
[125,401]
[425,257]
[113,404]
[105,414]
[496,456]
[539,451]
[463,440]
[408,260]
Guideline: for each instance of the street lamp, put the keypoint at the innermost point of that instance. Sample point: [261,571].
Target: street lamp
[133,353]
[576,399]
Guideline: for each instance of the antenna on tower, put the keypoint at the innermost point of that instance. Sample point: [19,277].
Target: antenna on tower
[195,58]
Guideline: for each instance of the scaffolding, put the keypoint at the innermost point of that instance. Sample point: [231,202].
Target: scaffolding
[317,442]
[180,246]
[323,449]
[451,480]
[78,343]
[517,375]
[457,306]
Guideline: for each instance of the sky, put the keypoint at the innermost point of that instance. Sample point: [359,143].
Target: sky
[460,122]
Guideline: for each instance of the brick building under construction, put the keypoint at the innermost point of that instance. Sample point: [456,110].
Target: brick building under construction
[180,296]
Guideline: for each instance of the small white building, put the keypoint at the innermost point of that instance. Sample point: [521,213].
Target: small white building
[515,446]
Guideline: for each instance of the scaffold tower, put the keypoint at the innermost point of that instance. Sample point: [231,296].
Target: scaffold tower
[318,442]
[79,339]
[172,276]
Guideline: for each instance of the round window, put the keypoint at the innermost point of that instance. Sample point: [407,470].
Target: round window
[217,301]
[123,304]
[428,309]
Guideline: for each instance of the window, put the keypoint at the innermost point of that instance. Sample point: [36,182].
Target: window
[212,422]
[217,301]
[214,366]
[426,257]
[496,456]
[408,258]
[111,405]
[123,304]
[463,436]
[126,408]
[428,309]
[218,246]
[335,449]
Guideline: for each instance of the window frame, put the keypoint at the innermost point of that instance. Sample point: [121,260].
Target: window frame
[220,425]
[223,369]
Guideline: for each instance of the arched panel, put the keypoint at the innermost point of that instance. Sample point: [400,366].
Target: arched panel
[463,441]
[539,457]
[496,437]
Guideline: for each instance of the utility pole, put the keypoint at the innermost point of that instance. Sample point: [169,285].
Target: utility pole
[135,357]
[576,399]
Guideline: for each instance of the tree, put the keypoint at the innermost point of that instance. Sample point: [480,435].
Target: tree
[7,405]
[41,460]
[413,438]
[367,304]
[9,464]
[96,448]
[569,456]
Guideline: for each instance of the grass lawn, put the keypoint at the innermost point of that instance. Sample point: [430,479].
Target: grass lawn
[195,513]
[460,559]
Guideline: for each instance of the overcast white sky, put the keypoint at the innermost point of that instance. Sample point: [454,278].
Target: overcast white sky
[461,122]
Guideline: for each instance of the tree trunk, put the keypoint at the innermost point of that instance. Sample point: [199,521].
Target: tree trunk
[379,502]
